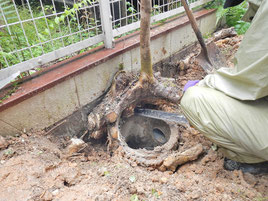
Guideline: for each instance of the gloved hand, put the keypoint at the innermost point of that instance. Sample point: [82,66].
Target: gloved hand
[190,83]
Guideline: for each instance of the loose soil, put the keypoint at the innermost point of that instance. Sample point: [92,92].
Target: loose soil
[36,166]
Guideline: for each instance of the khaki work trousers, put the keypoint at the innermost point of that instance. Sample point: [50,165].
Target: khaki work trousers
[239,128]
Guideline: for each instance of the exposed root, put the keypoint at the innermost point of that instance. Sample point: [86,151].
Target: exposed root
[176,159]
[110,109]
[224,33]
[125,95]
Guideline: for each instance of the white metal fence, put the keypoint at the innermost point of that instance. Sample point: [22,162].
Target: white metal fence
[35,32]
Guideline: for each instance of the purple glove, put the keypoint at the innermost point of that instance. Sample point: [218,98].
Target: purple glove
[190,83]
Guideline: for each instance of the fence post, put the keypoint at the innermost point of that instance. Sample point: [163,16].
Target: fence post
[106,22]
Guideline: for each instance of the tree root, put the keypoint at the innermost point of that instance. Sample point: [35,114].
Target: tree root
[176,159]
[120,101]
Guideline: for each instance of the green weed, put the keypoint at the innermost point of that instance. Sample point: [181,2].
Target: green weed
[232,15]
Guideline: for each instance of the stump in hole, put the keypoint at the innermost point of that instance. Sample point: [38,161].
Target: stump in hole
[114,116]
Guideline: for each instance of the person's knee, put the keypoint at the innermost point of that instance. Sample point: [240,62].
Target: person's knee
[192,96]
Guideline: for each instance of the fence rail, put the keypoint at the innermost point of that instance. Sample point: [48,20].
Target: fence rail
[36,32]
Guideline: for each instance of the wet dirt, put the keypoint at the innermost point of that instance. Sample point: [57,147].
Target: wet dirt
[36,166]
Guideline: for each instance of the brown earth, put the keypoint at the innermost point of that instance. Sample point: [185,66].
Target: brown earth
[36,166]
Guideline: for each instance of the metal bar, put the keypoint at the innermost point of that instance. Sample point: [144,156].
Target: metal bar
[37,18]
[125,29]
[37,61]
[68,21]
[9,31]
[113,17]
[4,57]
[120,13]
[106,22]
[176,11]
[22,27]
[54,39]
[35,25]
[54,7]
[46,21]
[136,25]
[79,27]
[95,19]
[87,22]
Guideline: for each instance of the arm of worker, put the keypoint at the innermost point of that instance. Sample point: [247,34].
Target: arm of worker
[248,80]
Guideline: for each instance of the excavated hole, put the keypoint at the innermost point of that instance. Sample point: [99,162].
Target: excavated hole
[147,141]
[143,132]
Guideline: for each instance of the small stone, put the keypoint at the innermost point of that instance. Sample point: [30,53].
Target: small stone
[132,190]
[250,179]
[3,143]
[140,190]
[55,192]
[199,170]
[163,180]
[195,194]
[219,188]
[48,196]
[155,179]
[251,194]
[24,135]
[75,146]
[180,186]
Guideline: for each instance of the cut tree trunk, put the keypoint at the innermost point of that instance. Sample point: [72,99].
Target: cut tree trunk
[145,52]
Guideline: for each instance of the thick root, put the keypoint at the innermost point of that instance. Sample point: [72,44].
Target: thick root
[176,159]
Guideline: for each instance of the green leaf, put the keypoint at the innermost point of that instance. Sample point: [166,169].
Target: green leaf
[41,37]
[106,173]
[156,193]
[132,178]
[67,12]
[72,10]
[134,197]
[46,31]
[57,20]
[62,18]
[4,54]
[51,25]
[75,6]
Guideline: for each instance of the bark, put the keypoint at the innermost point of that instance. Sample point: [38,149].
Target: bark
[145,52]
[224,33]
[176,159]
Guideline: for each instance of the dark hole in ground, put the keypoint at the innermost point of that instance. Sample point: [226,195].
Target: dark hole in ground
[143,132]
[65,183]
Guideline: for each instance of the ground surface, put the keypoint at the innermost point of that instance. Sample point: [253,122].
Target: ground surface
[40,167]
